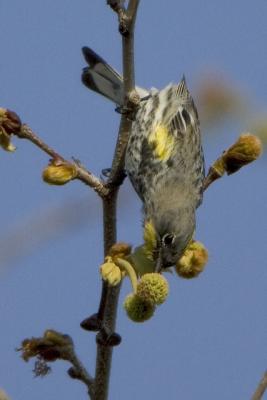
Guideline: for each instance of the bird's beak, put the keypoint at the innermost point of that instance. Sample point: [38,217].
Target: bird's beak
[159,262]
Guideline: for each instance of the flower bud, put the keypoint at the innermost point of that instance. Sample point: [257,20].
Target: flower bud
[153,288]
[193,261]
[58,338]
[59,172]
[110,272]
[5,142]
[9,123]
[52,346]
[39,347]
[246,149]
[137,309]
[120,250]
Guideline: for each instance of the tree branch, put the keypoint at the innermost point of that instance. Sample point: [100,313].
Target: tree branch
[262,386]
[52,346]
[82,173]
[105,320]
[131,98]
[109,297]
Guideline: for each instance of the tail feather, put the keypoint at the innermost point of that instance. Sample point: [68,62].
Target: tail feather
[103,79]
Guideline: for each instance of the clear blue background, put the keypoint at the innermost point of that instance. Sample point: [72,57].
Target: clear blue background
[208,341]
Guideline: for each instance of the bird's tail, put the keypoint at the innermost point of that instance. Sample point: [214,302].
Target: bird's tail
[103,79]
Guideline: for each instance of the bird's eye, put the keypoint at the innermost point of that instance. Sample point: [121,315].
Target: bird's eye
[168,239]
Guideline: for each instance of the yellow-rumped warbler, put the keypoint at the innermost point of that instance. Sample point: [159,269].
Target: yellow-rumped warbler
[164,158]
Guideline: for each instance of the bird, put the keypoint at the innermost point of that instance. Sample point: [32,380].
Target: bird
[164,158]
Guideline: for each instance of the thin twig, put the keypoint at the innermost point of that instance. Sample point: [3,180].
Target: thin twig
[130,96]
[27,133]
[110,296]
[262,386]
[212,176]
[79,372]
[116,5]
[82,174]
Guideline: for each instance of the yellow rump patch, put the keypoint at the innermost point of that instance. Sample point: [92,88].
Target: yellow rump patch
[150,239]
[162,142]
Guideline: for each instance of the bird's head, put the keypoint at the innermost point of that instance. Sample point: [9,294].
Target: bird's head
[167,235]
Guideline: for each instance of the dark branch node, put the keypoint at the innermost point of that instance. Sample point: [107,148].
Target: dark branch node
[73,373]
[92,323]
[117,181]
[123,25]
[107,338]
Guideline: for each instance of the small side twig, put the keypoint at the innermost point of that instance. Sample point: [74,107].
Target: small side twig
[212,176]
[52,346]
[262,386]
[78,371]
[118,7]
[27,133]
[244,151]
[82,173]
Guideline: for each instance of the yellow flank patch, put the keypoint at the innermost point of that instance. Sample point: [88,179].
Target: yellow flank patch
[162,142]
[150,239]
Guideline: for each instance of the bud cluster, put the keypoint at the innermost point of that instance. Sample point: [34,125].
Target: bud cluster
[193,261]
[151,291]
[10,123]
[50,347]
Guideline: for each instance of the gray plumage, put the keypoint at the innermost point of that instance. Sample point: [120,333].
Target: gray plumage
[164,158]
[170,188]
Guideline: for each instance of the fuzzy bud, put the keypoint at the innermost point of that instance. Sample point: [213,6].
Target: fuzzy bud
[246,150]
[153,288]
[5,142]
[110,272]
[57,338]
[59,172]
[193,261]
[52,346]
[137,309]
[120,250]
[10,123]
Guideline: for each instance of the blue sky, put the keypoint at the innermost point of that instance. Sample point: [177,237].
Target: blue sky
[208,340]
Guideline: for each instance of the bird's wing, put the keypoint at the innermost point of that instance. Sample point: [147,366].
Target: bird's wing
[182,115]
